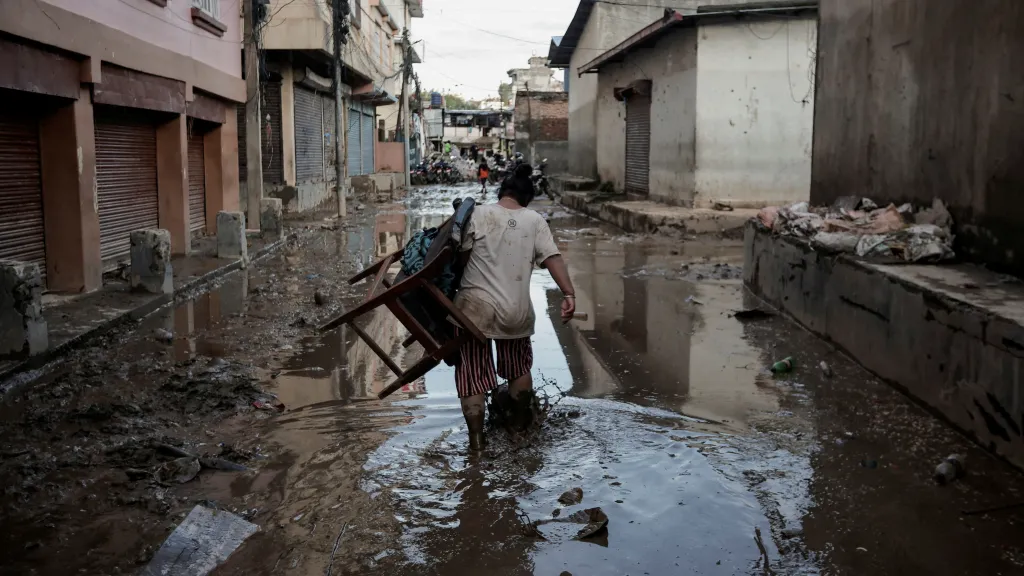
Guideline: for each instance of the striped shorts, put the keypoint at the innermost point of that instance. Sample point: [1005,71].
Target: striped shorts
[475,373]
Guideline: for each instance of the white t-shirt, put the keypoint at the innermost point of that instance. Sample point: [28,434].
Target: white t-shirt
[495,290]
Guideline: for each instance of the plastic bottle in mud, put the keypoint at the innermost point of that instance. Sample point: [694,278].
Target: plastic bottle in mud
[950,469]
[782,366]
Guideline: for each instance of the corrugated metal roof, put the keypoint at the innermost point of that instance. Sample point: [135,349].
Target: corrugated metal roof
[560,54]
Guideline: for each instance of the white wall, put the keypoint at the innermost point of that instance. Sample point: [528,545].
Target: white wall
[755,111]
[671,66]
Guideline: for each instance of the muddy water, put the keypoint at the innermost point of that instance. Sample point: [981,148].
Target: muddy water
[670,422]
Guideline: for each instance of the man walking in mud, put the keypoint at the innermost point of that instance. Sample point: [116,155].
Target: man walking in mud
[503,243]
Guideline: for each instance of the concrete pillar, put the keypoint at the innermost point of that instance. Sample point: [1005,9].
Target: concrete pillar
[271,224]
[70,210]
[151,262]
[23,329]
[172,182]
[222,187]
[231,236]
[288,124]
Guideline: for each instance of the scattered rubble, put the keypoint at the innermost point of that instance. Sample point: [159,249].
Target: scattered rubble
[570,497]
[859,226]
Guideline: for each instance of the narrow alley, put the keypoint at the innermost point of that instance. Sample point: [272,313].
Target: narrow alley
[667,419]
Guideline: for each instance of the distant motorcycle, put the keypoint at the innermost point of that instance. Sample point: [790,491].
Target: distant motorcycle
[540,179]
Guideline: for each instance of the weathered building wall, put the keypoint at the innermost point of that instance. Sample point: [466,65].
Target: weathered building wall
[755,111]
[670,65]
[919,100]
[542,126]
[609,24]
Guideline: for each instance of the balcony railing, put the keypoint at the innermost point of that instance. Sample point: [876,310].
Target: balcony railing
[209,7]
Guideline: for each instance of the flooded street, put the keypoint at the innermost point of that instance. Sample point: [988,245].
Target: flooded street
[667,419]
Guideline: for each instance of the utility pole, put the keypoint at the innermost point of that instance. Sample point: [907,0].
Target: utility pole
[340,36]
[253,129]
[406,71]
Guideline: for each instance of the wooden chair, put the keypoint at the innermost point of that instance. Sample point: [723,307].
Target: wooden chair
[418,304]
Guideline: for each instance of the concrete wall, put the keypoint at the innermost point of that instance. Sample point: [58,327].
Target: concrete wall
[670,64]
[169,27]
[389,156]
[609,24]
[919,99]
[556,153]
[958,352]
[755,111]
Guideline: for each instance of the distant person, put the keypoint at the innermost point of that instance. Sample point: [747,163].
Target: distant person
[447,149]
[482,173]
[500,248]
[473,152]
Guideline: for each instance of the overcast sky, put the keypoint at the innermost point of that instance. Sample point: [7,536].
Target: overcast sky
[469,45]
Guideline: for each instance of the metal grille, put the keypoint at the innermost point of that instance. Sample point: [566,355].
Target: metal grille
[354,153]
[125,181]
[273,155]
[330,133]
[22,236]
[242,165]
[196,183]
[210,7]
[638,144]
[309,135]
[367,143]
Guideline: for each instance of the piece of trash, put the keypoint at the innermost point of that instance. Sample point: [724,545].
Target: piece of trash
[861,549]
[792,532]
[205,539]
[722,207]
[949,469]
[319,298]
[869,464]
[752,314]
[298,517]
[783,366]
[593,521]
[825,369]
[221,464]
[312,276]
[596,521]
[694,300]
[261,405]
[570,497]
[163,335]
[173,451]
[556,512]
[178,471]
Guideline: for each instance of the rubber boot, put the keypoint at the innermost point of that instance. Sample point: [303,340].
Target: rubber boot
[475,422]
[522,407]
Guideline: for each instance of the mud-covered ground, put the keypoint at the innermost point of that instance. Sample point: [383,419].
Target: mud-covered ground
[667,420]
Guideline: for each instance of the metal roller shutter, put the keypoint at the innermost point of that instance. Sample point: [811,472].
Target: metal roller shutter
[22,236]
[638,144]
[368,140]
[309,135]
[354,153]
[270,135]
[196,183]
[330,133]
[125,180]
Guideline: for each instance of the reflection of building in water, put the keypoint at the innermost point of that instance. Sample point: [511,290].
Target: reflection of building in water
[390,230]
[189,320]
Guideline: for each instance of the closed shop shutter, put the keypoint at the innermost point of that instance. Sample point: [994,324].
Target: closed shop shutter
[354,153]
[273,154]
[638,143]
[309,135]
[125,180]
[367,143]
[196,183]
[330,133]
[22,235]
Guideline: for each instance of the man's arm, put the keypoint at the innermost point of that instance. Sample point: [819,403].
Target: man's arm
[560,273]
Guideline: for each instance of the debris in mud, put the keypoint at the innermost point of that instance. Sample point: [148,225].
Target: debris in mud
[320,298]
[752,314]
[690,299]
[570,497]
[221,464]
[178,471]
[783,366]
[722,207]
[825,369]
[592,522]
[792,532]
[198,545]
[163,335]
[949,469]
